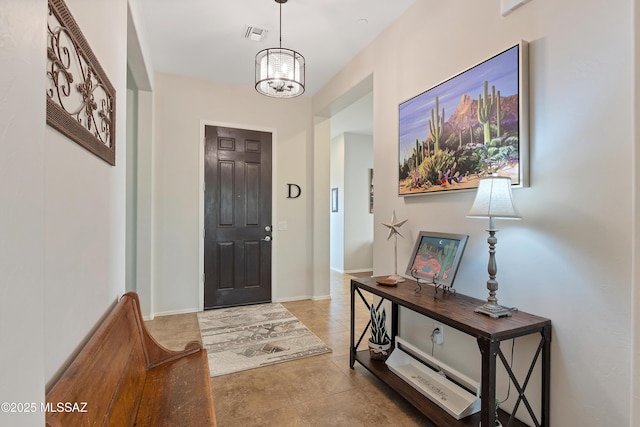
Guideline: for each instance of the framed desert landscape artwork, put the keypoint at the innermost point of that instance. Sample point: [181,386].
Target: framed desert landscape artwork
[469,126]
[436,257]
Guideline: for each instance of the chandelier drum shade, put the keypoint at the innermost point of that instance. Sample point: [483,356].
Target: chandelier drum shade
[280,72]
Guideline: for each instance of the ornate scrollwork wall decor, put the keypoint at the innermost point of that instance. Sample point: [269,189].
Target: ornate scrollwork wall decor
[81,102]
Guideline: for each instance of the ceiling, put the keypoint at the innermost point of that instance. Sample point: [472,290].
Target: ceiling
[204,38]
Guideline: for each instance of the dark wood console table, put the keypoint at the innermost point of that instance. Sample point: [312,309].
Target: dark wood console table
[456,310]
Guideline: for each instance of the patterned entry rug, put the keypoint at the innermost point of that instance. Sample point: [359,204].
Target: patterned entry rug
[240,338]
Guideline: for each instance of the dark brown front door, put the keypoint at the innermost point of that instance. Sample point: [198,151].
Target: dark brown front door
[237,208]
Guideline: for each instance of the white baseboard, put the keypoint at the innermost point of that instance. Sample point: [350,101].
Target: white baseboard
[168,313]
[363,270]
[299,298]
[359,270]
[302,298]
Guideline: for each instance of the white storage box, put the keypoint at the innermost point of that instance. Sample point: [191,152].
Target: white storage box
[438,385]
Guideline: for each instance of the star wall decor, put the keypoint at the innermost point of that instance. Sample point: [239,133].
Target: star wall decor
[394,230]
[394,226]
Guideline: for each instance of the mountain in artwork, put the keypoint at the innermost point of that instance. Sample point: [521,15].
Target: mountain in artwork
[465,117]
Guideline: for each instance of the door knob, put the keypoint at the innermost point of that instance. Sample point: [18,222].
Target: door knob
[267,239]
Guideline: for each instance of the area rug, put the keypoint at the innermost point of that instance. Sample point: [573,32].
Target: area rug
[248,337]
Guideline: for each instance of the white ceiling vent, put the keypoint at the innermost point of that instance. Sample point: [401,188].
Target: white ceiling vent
[254,33]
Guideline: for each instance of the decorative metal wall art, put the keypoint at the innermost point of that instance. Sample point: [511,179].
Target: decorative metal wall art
[81,102]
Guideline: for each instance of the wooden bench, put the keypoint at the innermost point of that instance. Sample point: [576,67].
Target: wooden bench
[124,377]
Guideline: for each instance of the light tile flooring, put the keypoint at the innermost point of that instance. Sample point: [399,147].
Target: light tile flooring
[315,391]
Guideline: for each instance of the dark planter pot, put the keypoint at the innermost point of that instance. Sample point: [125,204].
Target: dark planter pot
[379,351]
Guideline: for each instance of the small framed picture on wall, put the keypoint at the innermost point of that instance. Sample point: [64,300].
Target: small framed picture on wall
[334,199]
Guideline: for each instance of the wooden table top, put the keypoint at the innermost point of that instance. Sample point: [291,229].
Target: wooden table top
[454,309]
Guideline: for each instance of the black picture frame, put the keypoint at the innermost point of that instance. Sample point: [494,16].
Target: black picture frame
[334,199]
[370,190]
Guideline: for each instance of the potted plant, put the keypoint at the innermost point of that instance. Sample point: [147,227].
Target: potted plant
[379,343]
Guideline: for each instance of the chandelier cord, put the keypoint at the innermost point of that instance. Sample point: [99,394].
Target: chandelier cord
[280,25]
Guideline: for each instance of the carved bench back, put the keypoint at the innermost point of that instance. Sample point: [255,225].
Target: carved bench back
[108,374]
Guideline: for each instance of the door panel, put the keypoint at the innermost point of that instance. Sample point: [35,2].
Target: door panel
[237,209]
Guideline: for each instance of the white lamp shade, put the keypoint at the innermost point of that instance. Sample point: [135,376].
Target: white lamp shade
[494,199]
[280,73]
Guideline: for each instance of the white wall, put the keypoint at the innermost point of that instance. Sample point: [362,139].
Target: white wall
[63,214]
[570,258]
[358,221]
[139,162]
[85,203]
[22,221]
[352,225]
[182,105]
[337,218]
[144,204]
[635,392]
[132,185]
[319,165]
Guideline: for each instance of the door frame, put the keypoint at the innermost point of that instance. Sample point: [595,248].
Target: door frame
[274,204]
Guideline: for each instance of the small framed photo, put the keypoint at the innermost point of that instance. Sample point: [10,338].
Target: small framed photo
[436,257]
[334,199]
[370,190]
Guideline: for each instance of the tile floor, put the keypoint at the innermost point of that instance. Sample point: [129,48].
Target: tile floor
[315,391]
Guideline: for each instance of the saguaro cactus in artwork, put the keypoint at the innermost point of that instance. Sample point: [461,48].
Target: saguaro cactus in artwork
[419,153]
[499,116]
[486,107]
[436,126]
[445,259]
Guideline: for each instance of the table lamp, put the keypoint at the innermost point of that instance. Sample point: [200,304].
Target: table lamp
[493,200]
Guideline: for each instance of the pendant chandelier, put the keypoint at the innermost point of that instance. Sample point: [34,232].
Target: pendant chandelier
[280,71]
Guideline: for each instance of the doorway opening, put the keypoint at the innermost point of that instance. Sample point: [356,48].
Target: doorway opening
[351,222]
